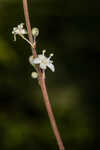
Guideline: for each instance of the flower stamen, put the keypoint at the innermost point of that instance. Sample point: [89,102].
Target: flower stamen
[43,52]
[51,55]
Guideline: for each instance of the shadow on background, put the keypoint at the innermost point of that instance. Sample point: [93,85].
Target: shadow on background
[71,30]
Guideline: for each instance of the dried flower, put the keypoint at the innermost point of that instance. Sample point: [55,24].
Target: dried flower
[19,30]
[44,61]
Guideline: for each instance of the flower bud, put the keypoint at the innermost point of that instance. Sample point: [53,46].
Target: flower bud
[35,32]
[31,60]
[34,75]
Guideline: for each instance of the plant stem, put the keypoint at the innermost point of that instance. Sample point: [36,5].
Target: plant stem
[51,115]
[42,82]
[28,25]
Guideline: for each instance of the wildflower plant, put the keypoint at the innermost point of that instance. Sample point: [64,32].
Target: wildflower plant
[40,62]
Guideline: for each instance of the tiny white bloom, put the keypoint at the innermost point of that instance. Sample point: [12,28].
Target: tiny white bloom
[34,75]
[44,61]
[19,30]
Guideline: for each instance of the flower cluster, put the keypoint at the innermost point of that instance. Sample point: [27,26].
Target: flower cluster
[19,30]
[41,59]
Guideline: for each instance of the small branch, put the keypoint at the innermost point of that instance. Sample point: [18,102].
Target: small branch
[42,81]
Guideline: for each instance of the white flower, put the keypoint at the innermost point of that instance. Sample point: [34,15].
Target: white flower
[34,75]
[19,30]
[44,61]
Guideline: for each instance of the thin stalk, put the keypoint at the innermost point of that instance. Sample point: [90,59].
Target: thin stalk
[51,115]
[26,40]
[28,25]
[42,82]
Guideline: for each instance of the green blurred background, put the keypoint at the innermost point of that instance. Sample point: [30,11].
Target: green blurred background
[71,30]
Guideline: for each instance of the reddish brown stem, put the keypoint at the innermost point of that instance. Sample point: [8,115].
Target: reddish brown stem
[42,83]
[51,115]
[28,25]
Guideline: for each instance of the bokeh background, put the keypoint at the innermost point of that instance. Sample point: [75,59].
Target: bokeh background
[71,30]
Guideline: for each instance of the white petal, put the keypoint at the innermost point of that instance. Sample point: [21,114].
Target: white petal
[23,31]
[36,61]
[42,57]
[21,25]
[17,31]
[43,66]
[15,28]
[51,66]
